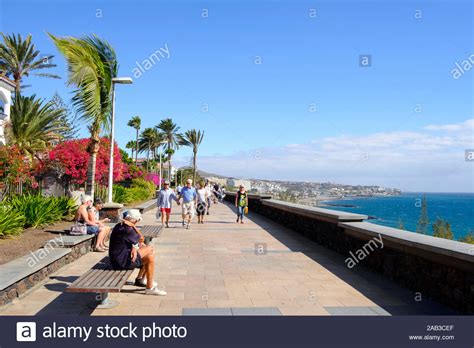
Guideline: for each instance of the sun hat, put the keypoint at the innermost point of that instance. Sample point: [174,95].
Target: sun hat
[134,214]
[86,198]
[166,182]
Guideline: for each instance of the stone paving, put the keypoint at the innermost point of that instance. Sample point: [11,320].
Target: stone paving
[225,268]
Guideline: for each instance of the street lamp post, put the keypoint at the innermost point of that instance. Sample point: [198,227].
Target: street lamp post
[123,81]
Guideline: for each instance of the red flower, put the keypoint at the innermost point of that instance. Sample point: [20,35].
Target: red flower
[73,158]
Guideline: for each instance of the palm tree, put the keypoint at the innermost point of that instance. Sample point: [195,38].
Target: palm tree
[171,136]
[149,140]
[135,122]
[132,145]
[33,124]
[193,139]
[19,58]
[92,64]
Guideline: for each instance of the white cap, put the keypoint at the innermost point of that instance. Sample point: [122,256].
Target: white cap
[189,181]
[133,214]
[86,198]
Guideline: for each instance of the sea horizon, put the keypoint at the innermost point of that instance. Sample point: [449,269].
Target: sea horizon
[457,208]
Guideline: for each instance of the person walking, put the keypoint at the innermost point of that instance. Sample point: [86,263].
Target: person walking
[216,193]
[209,196]
[189,195]
[241,203]
[201,206]
[165,201]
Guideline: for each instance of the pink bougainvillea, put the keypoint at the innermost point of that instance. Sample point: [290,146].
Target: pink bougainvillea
[132,171]
[73,158]
[155,178]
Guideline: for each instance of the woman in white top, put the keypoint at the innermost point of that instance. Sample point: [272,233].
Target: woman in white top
[202,195]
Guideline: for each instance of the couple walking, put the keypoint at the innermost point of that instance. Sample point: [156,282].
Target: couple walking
[193,202]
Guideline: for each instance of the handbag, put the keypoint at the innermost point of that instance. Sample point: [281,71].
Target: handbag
[78,229]
[246,210]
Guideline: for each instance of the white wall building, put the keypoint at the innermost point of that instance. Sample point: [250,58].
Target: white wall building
[220,181]
[6,88]
[237,182]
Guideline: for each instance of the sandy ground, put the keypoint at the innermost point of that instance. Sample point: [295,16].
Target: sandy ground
[30,240]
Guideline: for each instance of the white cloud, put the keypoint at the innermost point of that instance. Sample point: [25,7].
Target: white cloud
[414,161]
[466,125]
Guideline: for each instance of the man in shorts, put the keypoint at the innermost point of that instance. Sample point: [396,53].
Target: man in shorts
[164,203]
[189,196]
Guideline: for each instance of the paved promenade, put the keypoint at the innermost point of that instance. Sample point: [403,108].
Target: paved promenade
[224,268]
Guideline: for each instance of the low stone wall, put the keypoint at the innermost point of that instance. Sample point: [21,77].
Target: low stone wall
[432,267]
[147,206]
[20,287]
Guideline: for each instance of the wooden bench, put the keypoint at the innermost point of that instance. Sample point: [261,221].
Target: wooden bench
[150,231]
[101,279]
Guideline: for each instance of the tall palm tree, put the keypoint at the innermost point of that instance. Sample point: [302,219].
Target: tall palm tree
[33,124]
[171,135]
[193,139]
[19,58]
[92,64]
[149,140]
[135,122]
[132,145]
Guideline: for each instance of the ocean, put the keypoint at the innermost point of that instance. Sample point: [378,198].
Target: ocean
[456,208]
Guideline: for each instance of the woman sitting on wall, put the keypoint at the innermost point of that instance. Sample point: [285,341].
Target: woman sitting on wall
[104,230]
[93,227]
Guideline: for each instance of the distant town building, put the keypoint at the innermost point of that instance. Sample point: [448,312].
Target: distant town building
[215,180]
[7,86]
[231,182]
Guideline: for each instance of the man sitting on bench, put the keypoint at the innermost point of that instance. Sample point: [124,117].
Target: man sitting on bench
[127,251]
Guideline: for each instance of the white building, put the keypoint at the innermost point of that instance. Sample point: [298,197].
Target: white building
[6,88]
[237,182]
[215,180]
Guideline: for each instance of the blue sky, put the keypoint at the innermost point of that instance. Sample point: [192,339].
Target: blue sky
[402,122]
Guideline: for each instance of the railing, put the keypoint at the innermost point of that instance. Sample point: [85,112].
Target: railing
[438,268]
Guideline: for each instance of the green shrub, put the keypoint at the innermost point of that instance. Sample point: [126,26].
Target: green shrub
[11,221]
[135,194]
[101,192]
[40,211]
[119,194]
[66,205]
[146,184]
[141,190]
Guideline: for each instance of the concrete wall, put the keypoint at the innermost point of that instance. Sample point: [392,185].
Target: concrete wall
[436,268]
